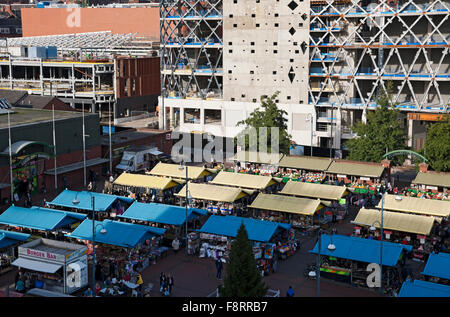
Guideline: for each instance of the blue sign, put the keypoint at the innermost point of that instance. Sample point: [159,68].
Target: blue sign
[105,129]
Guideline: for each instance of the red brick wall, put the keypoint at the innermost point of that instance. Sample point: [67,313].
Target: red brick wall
[52,21]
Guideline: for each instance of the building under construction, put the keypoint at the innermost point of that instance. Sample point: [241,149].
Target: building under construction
[96,71]
[330,59]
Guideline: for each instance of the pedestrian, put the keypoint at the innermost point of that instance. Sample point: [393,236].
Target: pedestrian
[176,245]
[170,283]
[162,281]
[39,283]
[219,268]
[290,292]
[20,286]
[88,293]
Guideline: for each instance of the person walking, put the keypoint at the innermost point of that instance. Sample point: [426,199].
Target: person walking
[219,267]
[176,245]
[290,292]
[170,283]
[162,281]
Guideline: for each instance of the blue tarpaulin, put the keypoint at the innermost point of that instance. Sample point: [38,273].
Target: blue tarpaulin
[9,238]
[257,230]
[102,202]
[438,265]
[160,213]
[39,218]
[419,288]
[120,234]
[359,249]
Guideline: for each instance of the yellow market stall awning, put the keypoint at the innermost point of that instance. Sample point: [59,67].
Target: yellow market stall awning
[356,169]
[258,157]
[305,163]
[294,205]
[213,192]
[173,170]
[145,181]
[433,179]
[322,191]
[395,221]
[430,207]
[243,180]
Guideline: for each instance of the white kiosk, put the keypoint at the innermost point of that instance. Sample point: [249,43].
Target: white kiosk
[62,266]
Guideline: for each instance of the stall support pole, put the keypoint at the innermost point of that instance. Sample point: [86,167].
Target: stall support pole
[93,242]
[318,259]
[187,201]
[381,248]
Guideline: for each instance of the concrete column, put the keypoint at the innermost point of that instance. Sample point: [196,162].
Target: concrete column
[73,81]
[202,118]
[338,129]
[160,112]
[171,116]
[41,76]
[10,74]
[410,133]
[364,116]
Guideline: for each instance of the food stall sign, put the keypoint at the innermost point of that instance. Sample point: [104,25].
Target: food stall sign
[341,176]
[422,238]
[365,178]
[432,187]
[41,254]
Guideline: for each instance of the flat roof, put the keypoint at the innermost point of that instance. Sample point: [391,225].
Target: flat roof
[356,169]
[126,136]
[22,116]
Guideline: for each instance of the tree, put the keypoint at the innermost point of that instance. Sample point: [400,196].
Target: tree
[383,132]
[437,144]
[268,115]
[242,278]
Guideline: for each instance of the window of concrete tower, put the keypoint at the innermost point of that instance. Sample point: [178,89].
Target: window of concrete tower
[192,115]
[213,116]
[252,51]
[235,25]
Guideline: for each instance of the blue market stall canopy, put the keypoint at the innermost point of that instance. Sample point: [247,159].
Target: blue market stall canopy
[258,230]
[39,218]
[419,288]
[438,265]
[102,202]
[160,213]
[8,238]
[359,249]
[117,233]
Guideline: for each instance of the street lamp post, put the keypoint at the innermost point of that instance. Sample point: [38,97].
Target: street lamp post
[103,231]
[372,228]
[186,203]
[310,119]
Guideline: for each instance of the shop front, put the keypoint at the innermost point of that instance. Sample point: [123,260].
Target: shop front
[61,266]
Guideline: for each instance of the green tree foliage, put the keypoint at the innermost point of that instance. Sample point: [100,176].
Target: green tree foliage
[383,131]
[267,115]
[242,278]
[437,144]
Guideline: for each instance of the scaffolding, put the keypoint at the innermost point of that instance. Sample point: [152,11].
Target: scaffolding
[359,46]
[191,49]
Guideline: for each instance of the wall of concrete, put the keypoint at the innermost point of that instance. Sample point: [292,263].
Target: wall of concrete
[263,47]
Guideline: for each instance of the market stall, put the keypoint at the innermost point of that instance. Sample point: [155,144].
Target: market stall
[8,243]
[216,199]
[303,168]
[195,173]
[61,266]
[270,240]
[432,181]
[172,218]
[150,188]
[253,182]
[418,288]
[348,261]
[121,247]
[411,205]
[414,230]
[437,268]
[259,163]
[41,221]
[334,197]
[106,206]
[299,212]
[356,172]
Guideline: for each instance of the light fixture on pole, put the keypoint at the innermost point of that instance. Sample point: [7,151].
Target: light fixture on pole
[103,231]
[310,119]
[182,167]
[10,159]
